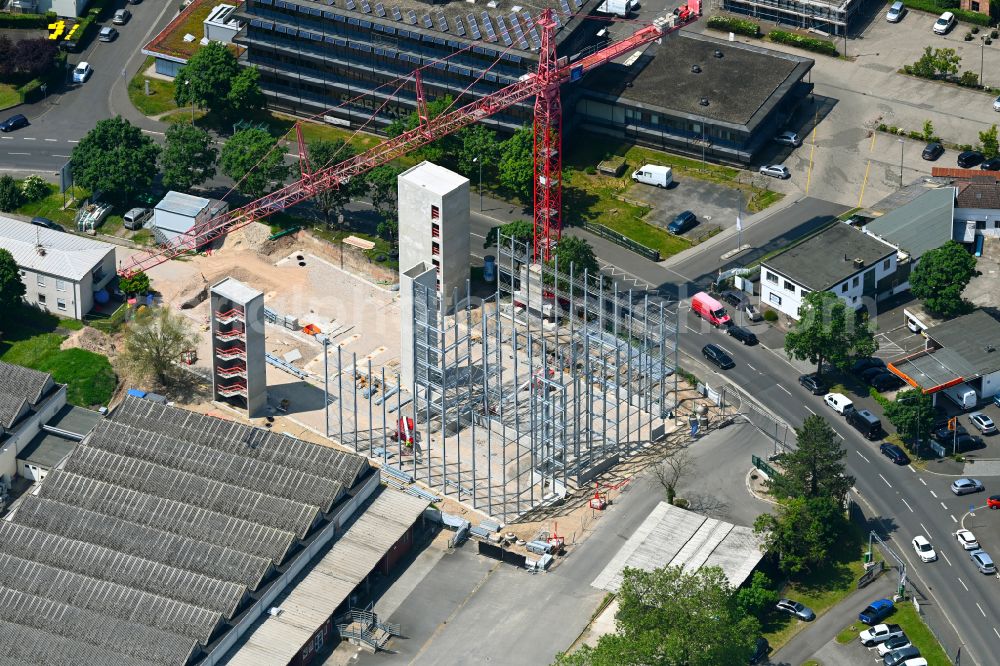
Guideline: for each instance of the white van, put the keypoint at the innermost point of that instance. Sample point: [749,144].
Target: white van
[654,174]
[839,402]
[136,218]
[962,395]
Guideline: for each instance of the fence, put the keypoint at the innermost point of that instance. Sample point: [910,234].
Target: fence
[624,241]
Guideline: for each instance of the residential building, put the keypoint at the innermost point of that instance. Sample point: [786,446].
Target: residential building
[177,213]
[64,8]
[856,267]
[61,272]
[701,96]
[977,210]
[835,17]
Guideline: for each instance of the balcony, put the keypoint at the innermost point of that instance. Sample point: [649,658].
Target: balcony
[231,353]
[228,317]
[228,336]
[234,371]
[233,390]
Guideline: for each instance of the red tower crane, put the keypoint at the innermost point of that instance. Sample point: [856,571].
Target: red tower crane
[543,85]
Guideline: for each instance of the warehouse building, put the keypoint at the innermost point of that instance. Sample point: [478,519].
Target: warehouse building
[170,537]
[61,272]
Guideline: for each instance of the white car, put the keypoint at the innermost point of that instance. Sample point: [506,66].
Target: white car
[888,646]
[789,139]
[916,661]
[82,72]
[983,423]
[944,23]
[967,540]
[996,104]
[895,13]
[838,402]
[776,171]
[923,548]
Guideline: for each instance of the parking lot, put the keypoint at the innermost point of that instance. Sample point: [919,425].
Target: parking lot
[714,204]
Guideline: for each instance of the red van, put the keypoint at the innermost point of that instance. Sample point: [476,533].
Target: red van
[706,307]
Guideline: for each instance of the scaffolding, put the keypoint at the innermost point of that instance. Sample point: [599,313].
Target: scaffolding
[520,398]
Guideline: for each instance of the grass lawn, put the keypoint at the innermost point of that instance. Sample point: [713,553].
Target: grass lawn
[51,206]
[161,93]
[8,96]
[32,339]
[916,630]
[820,590]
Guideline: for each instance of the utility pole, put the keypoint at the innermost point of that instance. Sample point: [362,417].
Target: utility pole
[901,144]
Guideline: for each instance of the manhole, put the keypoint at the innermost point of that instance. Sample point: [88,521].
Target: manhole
[302,263]
[299,257]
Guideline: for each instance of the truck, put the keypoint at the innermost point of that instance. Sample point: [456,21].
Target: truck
[879,633]
[875,611]
[654,174]
[962,395]
[622,8]
[705,307]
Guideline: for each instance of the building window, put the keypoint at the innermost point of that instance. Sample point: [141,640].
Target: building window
[789,286]
[41,281]
[855,281]
[775,298]
[435,213]
[885,264]
[61,303]
[772,278]
[60,285]
[974,5]
[843,288]
[41,298]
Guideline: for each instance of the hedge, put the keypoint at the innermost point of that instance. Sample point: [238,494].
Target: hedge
[937,7]
[808,43]
[27,21]
[733,24]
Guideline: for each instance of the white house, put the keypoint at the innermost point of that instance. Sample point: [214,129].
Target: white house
[61,271]
[856,267]
[65,8]
[977,211]
[178,212]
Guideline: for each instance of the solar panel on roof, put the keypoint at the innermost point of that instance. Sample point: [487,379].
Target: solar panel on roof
[518,33]
[350,4]
[459,27]
[488,24]
[474,27]
[365,7]
[396,14]
[411,17]
[565,7]
[426,20]
[442,23]
[379,10]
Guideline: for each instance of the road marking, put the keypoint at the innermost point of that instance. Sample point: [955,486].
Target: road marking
[934,494]
[925,483]
[72,141]
[7,138]
[864,182]
[18,153]
[886,480]
[953,519]
[863,456]
[52,140]
[926,530]
[811,151]
[60,156]
[911,469]
[946,559]
[28,138]
[810,411]
[980,609]
[784,389]
[906,503]
[996,632]
[963,584]
[751,367]
[944,506]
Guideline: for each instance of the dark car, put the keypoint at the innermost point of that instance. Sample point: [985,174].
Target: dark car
[932,151]
[734,298]
[943,435]
[742,334]
[717,356]
[13,123]
[863,364]
[894,453]
[47,223]
[970,158]
[992,164]
[885,382]
[760,651]
[682,222]
[966,442]
[813,384]
[871,373]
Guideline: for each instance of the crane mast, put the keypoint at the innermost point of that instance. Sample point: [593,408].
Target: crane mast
[543,85]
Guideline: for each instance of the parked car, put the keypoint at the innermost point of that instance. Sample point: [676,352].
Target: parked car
[996,400]
[894,453]
[996,104]
[743,335]
[107,34]
[705,307]
[121,17]
[944,436]
[900,656]
[13,123]
[863,364]
[993,502]
[47,223]
[876,611]
[967,540]
[880,633]
[983,423]
[969,159]
[838,402]
[932,151]
[886,381]
[983,562]
[944,23]
[966,486]
[923,548]
[682,222]
[965,442]
[720,358]
[895,13]
[82,72]
[865,422]
[992,164]
[760,651]
[897,643]
[813,384]
[871,373]
[788,139]
[917,661]
[136,218]
[732,297]
[752,313]
[796,608]
[776,171]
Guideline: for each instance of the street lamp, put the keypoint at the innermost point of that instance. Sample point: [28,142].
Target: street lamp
[900,162]
[478,161]
[188,84]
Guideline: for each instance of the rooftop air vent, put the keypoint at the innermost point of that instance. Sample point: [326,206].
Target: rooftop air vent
[703,101]
[859,263]
[989,349]
[717,53]
[696,69]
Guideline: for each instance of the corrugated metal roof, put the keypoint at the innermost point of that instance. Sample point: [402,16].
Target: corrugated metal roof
[920,225]
[182,204]
[64,255]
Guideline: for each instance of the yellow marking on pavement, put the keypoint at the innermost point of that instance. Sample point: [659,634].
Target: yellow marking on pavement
[871,149]
[811,151]
[863,183]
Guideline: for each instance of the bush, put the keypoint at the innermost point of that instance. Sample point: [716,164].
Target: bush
[969,80]
[808,43]
[733,24]
[893,129]
[968,37]
[882,127]
[975,30]
[987,41]
[994,34]
[590,170]
[34,188]
[27,21]
[10,194]
[918,136]
[770,315]
[974,18]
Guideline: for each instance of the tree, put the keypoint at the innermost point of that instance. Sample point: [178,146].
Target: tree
[924,66]
[253,158]
[330,203]
[154,342]
[946,62]
[10,194]
[988,142]
[757,597]
[912,414]
[136,284]
[940,277]
[382,189]
[517,167]
[388,229]
[929,131]
[244,93]
[115,158]
[669,472]
[815,467]
[801,532]
[575,252]
[522,231]
[212,79]
[26,59]
[478,147]
[671,617]
[828,331]
[11,287]
[188,159]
